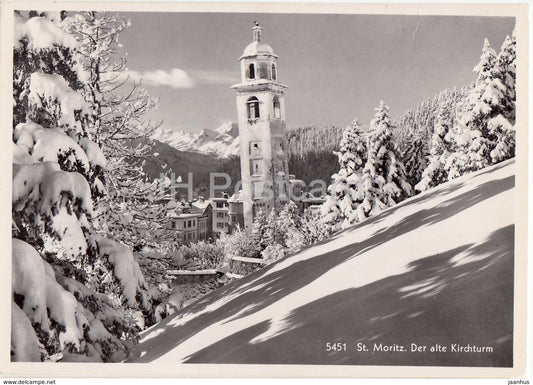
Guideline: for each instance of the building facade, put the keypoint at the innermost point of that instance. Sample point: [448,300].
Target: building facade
[235,211]
[205,218]
[185,225]
[262,130]
[191,221]
[220,221]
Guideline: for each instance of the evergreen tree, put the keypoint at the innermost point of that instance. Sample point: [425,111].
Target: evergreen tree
[260,230]
[502,127]
[238,244]
[484,135]
[74,292]
[272,234]
[420,122]
[441,147]
[311,150]
[343,194]
[383,183]
[507,67]
[415,160]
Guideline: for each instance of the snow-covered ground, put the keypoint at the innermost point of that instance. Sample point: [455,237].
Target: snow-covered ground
[436,269]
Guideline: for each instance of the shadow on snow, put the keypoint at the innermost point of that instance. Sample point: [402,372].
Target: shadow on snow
[447,302]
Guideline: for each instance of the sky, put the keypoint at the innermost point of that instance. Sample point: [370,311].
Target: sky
[337,67]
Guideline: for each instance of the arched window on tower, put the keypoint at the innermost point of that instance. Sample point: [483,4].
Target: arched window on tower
[251,71]
[253,108]
[277,108]
[274,73]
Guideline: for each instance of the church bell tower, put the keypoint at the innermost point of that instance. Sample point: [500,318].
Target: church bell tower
[262,130]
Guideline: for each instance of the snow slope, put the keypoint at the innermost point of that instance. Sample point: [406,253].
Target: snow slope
[436,269]
[221,142]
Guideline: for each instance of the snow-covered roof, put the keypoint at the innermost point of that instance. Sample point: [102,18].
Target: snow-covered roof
[200,205]
[177,214]
[235,198]
[193,272]
[296,181]
[248,260]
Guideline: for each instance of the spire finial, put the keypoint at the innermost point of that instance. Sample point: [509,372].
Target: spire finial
[256,31]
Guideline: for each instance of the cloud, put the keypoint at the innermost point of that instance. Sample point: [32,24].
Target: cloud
[178,78]
[175,78]
[215,77]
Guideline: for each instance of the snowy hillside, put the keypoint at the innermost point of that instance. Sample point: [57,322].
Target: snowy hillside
[221,142]
[435,269]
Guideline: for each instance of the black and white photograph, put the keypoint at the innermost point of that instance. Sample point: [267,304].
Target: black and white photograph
[265,186]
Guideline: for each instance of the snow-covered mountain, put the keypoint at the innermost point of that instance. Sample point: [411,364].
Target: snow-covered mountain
[436,271]
[221,142]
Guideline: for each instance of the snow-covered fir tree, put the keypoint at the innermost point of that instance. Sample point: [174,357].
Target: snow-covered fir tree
[76,294]
[238,244]
[260,230]
[343,194]
[277,234]
[441,147]
[420,121]
[507,66]
[289,222]
[384,182]
[484,135]
[414,159]
[504,130]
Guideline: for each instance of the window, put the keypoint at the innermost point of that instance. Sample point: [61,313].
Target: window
[277,107]
[263,70]
[278,143]
[220,215]
[220,205]
[251,71]
[274,74]
[194,222]
[253,108]
[255,148]
[189,223]
[220,225]
[256,167]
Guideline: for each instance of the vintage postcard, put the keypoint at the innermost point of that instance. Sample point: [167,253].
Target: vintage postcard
[264,189]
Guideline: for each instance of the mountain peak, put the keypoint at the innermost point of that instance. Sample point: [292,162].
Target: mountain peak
[221,142]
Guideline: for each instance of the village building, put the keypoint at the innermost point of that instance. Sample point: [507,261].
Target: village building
[235,211]
[191,221]
[310,202]
[220,215]
[205,219]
